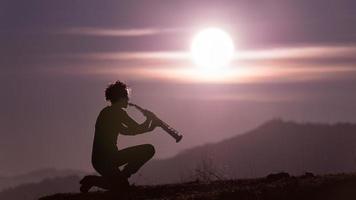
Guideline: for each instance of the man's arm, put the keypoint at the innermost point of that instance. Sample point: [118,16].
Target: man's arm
[131,127]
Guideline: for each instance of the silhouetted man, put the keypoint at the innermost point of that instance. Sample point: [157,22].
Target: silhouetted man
[106,158]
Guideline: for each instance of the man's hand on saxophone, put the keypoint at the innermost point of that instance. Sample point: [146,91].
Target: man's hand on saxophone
[155,122]
[158,122]
[148,114]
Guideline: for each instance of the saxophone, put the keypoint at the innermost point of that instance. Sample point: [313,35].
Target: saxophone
[171,131]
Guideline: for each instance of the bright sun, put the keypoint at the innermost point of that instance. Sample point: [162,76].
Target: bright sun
[212,48]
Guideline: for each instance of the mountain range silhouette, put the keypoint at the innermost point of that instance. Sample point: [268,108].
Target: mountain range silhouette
[273,147]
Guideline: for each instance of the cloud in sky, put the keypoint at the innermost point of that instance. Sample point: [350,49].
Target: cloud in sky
[133,32]
[299,52]
[302,52]
[304,63]
[159,55]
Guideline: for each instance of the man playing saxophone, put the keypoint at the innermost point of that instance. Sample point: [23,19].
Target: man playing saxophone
[106,158]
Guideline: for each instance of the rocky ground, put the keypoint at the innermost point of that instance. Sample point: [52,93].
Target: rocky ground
[273,187]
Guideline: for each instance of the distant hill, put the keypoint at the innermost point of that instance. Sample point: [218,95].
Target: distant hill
[274,146]
[32,191]
[35,176]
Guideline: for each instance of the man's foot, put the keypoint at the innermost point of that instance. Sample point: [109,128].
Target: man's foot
[87,182]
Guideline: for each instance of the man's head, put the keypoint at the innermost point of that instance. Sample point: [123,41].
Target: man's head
[117,93]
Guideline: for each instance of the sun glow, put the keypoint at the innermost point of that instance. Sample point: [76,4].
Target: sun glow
[212,48]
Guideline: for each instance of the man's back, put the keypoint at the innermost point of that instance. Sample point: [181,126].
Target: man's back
[106,130]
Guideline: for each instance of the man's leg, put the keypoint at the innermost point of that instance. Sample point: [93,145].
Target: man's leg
[135,157]
[92,180]
[111,178]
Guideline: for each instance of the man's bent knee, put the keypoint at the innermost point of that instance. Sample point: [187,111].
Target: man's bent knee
[150,149]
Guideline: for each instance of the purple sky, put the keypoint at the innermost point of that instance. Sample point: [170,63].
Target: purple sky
[56,58]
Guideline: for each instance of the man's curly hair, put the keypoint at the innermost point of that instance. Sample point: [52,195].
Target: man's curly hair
[116,91]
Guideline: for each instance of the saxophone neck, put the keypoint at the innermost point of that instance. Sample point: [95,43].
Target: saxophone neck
[137,107]
[132,104]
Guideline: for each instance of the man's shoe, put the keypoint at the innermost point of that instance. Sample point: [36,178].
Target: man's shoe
[87,182]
